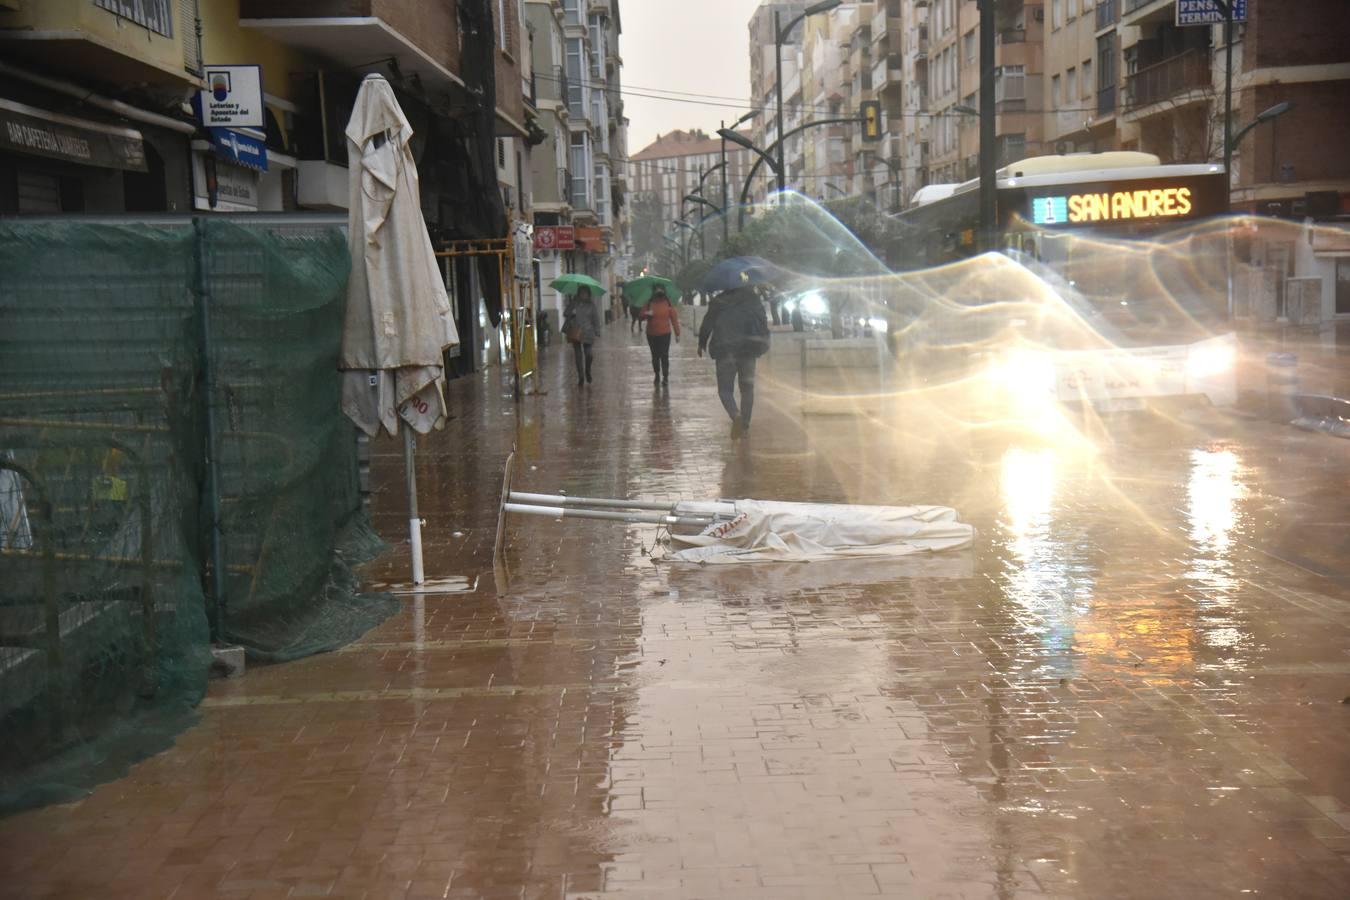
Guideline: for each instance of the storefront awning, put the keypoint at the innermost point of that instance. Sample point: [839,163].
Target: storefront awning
[28,129]
[243,148]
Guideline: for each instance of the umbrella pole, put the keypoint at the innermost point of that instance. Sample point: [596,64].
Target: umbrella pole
[414,521]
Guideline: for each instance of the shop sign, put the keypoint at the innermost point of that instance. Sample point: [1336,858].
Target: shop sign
[1207,12]
[233,97]
[592,240]
[28,129]
[241,149]
[555,237]
[223,187]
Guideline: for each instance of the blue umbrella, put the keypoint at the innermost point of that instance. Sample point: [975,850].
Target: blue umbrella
[739,271]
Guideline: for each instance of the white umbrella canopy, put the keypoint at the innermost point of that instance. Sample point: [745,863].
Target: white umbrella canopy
[398,321]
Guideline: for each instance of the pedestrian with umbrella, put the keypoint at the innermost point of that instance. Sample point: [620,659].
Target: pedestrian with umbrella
[581,319]
[654,299]
[735,332]
[398,322]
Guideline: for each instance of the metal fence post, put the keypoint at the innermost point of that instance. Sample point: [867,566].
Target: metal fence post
[210,448]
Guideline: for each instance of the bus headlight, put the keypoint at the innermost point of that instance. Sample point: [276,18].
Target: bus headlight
[1211,360]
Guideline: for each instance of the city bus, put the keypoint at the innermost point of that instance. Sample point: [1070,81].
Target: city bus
[1122,240]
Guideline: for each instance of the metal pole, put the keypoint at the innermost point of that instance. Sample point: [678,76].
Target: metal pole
[726,220]
[988,164]
[1228,94]
[1228,140]
[414,521]
[778,89]
[211,450]
[641,518]
[598,502]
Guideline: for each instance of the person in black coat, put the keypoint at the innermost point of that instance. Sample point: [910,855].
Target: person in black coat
[735,332]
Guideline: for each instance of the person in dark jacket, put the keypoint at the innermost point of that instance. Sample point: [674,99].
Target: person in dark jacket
[735,332]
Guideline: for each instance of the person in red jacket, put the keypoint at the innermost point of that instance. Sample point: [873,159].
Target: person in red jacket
[662,320]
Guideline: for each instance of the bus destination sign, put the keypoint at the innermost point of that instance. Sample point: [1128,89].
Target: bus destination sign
[1112,206]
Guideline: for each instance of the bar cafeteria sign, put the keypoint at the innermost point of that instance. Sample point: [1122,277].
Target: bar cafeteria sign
[233,97]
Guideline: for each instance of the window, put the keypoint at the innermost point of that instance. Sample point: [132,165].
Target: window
[502,27]
[1073,9]
[156,15]
[572,11]
[581,171]
[597,47]
[1087,77]
[1056,13]
[969,41]
[501,153]
[1054,92]
[576,88]
[1070,86]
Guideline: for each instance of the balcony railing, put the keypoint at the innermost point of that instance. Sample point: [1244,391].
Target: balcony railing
[1132,5]
[551,85]
[1108,13]
[1012,36]
[1106,100]
[1169,78]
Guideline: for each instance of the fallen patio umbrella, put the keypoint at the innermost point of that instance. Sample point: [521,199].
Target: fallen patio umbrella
[398,321]
[719,532]
[638,292]
[569,284]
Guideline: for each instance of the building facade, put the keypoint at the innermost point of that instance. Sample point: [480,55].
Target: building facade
[662,174]
[589,139]
[103,107]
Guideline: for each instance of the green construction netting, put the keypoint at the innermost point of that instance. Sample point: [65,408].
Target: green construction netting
[112,340]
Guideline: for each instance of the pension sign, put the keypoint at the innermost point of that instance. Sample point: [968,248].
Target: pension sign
[1112,206]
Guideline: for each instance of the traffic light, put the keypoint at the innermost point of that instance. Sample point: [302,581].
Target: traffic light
[870,113]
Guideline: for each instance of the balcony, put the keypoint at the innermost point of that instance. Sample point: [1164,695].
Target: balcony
[1012,36]
[1147,12]
[1169,78]
[423,39]
[152,44]
[1108,14]
[1106,101]
[552,87]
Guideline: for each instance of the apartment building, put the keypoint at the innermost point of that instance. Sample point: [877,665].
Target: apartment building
[827,92]
[676,165]
[763,94]
[954,85]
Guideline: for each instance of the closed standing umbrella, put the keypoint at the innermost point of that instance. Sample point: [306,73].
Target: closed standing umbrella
[398,320]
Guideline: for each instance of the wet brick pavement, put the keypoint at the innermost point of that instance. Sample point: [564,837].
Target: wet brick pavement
[1120,691]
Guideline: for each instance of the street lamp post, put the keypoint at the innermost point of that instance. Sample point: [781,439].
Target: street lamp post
[1265,115]
[896,168]
[988,164]
[767,155]
[1226,7]
[690,228]
[726,225]
[780,33]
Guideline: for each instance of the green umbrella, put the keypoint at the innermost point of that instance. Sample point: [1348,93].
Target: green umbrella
[639,291]
[569,284]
